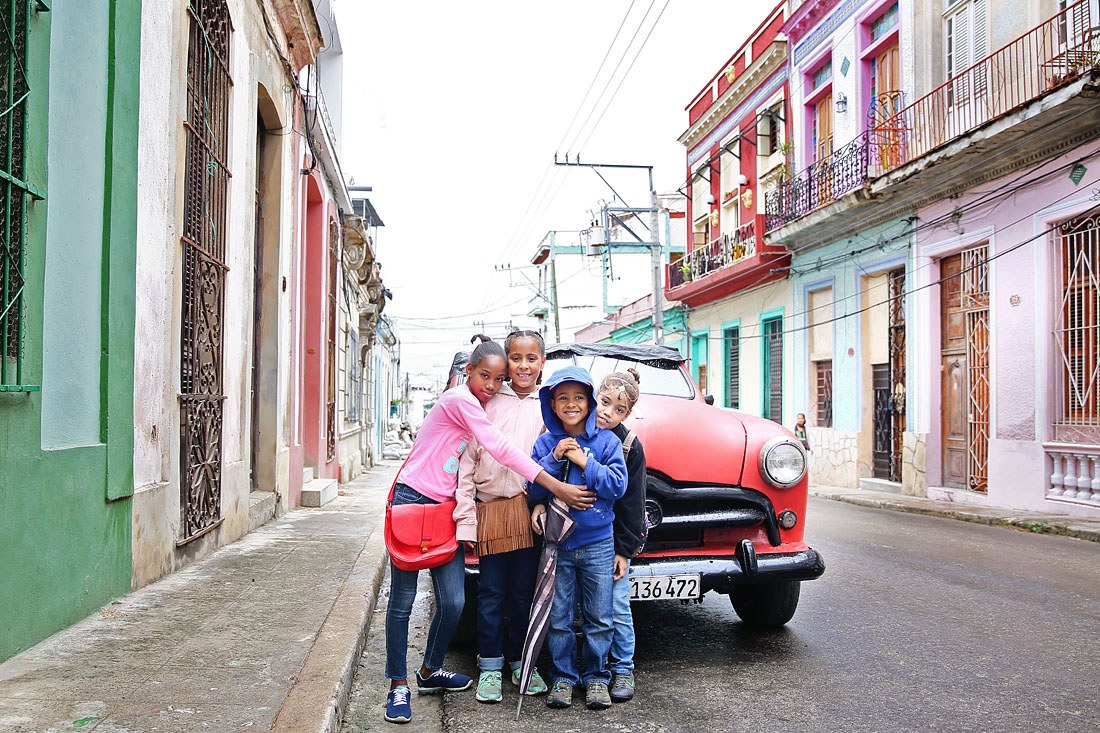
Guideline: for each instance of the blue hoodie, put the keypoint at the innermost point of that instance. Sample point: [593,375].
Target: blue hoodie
[604,474]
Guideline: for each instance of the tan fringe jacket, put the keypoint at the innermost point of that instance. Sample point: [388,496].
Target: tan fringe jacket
[479,475]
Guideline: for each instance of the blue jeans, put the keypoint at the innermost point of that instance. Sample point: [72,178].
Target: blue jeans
[589,569]
[622,642]
[447,584]
[506,585]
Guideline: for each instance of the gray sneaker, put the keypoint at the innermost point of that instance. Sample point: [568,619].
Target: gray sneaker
[561,695]
[596,697]
[622,687]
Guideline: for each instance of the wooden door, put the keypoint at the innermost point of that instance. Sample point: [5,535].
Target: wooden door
[954,371]
[964,359]
[823,149]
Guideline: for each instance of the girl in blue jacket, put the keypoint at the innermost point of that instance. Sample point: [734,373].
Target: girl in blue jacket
[578,452]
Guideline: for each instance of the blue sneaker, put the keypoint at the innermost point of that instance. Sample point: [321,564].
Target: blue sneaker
[439,681]
[398,709]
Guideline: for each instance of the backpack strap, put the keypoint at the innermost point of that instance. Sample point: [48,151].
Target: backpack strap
[627,442]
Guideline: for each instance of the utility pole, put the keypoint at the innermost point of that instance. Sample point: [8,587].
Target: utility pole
[654,240]
[656,261]
[554,297]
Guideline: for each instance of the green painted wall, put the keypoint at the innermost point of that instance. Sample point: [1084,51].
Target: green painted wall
[66,453]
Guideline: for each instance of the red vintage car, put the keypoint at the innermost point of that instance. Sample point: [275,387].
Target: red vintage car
[726,491]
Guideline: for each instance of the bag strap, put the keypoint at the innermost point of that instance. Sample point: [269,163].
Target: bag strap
[627,442]
[393,485]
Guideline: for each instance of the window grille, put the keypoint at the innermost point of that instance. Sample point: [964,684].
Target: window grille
[1077,329]
[205,195]
[354,390]
[14,92]
[823,379]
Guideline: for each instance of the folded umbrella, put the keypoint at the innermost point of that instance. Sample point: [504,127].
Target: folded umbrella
[557,525]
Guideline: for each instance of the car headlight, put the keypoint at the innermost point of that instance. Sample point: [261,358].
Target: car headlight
[782,462]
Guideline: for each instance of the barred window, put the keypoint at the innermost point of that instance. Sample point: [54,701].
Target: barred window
[14,92]
[354,395]
[823,393]
[1077,328]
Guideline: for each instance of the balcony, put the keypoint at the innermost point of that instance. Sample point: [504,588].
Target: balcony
[719,253]
[961,129]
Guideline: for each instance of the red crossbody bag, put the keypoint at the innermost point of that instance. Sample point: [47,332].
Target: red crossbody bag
[420,536]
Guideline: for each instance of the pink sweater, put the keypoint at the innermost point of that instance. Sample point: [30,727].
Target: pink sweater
[432,467]
[520,419]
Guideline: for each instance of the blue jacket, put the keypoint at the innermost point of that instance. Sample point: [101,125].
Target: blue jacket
[605,473]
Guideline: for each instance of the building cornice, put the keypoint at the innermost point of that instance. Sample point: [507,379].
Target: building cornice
[805,17]
[301,29]
[763,66]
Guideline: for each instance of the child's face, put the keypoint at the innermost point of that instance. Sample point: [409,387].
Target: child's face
[612,408]
[571,406]
[525,362]
[801,419]
[486,379]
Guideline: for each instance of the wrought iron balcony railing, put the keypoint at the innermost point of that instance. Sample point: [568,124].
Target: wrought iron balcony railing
[720,252]
[1048,56]
[822,183]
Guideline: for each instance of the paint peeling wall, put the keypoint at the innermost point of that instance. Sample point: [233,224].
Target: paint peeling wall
[157,420]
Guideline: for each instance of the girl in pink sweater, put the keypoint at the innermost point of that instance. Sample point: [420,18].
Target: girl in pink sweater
[430,476]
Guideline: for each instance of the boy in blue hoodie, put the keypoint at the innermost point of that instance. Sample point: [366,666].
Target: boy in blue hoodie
[572,444]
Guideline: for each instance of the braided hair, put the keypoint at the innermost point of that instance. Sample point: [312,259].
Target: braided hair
[626,383]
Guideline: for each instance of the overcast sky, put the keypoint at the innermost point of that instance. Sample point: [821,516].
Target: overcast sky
[453,112]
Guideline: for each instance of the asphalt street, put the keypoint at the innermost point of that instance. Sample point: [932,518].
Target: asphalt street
[920,623]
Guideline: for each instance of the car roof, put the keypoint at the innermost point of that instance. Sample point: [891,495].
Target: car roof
[662,357]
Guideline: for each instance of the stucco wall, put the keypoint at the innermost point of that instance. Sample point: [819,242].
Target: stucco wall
[1023,357]
[744,311]
[858,333]
[160,259]
[64,544]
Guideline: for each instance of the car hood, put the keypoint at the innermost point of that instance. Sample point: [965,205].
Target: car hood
[690,440]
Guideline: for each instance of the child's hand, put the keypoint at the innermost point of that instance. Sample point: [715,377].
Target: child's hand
[577,457]
[565,445]
[538,517]
[574,496]
[620,567]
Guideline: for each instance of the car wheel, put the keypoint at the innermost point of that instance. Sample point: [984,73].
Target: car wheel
[768,605]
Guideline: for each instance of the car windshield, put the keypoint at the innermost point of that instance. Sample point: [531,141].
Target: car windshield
[667,382]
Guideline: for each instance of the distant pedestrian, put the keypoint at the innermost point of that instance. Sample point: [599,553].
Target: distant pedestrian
[615,400]
[800,430]
[430,476]
[576,448]
[492,517]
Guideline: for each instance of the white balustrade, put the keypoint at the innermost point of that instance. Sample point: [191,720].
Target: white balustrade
[1074,472]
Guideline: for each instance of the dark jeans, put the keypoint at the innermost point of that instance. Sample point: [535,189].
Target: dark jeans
[447,584]
[505,588]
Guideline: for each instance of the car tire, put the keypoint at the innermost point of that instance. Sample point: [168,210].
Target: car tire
[767,605]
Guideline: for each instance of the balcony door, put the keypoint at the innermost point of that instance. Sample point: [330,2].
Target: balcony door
[966,36]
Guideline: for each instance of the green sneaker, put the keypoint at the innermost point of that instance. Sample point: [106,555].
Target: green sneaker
[488,686]
[561,696]
[537,685]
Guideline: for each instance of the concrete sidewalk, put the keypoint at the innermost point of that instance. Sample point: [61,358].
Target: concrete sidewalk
[1060,524]
[263,635]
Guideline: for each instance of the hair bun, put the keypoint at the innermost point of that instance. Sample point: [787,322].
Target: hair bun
[484,339]
[634,373]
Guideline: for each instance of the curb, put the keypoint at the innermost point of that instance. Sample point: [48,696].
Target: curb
[330,666]
[1054,525]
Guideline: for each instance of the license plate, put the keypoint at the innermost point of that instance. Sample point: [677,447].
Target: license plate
[665,587]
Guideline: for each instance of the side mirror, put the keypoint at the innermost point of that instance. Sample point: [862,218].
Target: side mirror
[709,399]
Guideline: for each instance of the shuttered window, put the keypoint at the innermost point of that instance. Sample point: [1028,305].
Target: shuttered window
[773,369]
[732,339]
[967,42]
